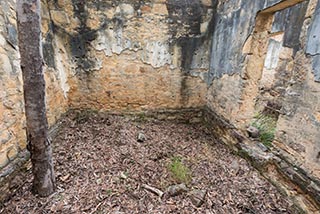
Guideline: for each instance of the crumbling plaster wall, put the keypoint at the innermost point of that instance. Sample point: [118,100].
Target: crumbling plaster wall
[135,55]
[272,66]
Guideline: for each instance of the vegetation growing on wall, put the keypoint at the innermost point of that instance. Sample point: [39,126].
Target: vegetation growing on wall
[266,125]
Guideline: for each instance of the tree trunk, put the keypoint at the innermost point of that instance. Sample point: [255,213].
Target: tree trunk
[29,33]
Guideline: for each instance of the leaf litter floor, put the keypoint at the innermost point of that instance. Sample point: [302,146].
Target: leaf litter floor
[101,168]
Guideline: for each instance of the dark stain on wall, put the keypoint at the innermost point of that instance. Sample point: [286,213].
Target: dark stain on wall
[290,22]
[80,42]
[313,44]
[294,26]
[48,51]
[233,25]
[185,18]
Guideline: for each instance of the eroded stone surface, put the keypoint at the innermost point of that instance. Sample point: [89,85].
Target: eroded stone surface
[270,70]
[135,56]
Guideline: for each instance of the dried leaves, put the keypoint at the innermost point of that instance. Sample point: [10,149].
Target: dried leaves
[101,168]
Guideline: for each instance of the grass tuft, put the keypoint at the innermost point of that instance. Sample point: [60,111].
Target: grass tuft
[179,171]
[267,127]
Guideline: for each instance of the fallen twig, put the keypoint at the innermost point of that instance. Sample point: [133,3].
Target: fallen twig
[153,190]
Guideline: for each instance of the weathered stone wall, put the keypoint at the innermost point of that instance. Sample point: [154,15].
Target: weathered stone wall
[12,132]
[134,55]
[12,119]
[270,71]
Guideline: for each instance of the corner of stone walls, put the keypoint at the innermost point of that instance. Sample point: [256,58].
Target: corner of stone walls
[135,55]
[269,71]
[112,56]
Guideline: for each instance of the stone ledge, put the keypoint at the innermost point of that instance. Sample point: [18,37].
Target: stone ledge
[11,176]
[291,180]
[188,115]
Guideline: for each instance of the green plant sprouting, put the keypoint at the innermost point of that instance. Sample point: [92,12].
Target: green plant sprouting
[267,127]
[179,171]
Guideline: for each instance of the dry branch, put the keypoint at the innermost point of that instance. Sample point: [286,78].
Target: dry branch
[153,190]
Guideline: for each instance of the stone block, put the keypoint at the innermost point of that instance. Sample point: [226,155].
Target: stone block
[3,159]
[12,153]
[60,17]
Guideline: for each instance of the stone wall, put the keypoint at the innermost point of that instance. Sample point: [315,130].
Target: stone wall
[134,55]
[12,119]
[270,73]
[12,132]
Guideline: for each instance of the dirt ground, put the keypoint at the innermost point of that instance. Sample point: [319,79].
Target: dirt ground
[102,168]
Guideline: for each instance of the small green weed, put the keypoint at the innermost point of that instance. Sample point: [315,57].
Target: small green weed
[267,127]
[83,115]
[141,117]
[179,171]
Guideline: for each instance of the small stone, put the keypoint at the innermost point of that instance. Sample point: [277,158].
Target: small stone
[127,10]
[176,190]
[12,153]
[139,13]
[197,197]
[3,159]
[123,176]
[262,147]
[141,137]
[60,17]
[235,166]
[253,132]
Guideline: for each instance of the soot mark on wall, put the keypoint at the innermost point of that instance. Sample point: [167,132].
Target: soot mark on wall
[48,49]
[185,18]
[80,42]
[290,22]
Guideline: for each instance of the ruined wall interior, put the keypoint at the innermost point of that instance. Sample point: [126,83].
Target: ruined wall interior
[270,71]
[241,60]
[133,55]
[12,126]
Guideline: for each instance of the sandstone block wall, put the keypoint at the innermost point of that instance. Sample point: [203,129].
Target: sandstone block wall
[134,55]
[272,71]
[12,119]
[12,132]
